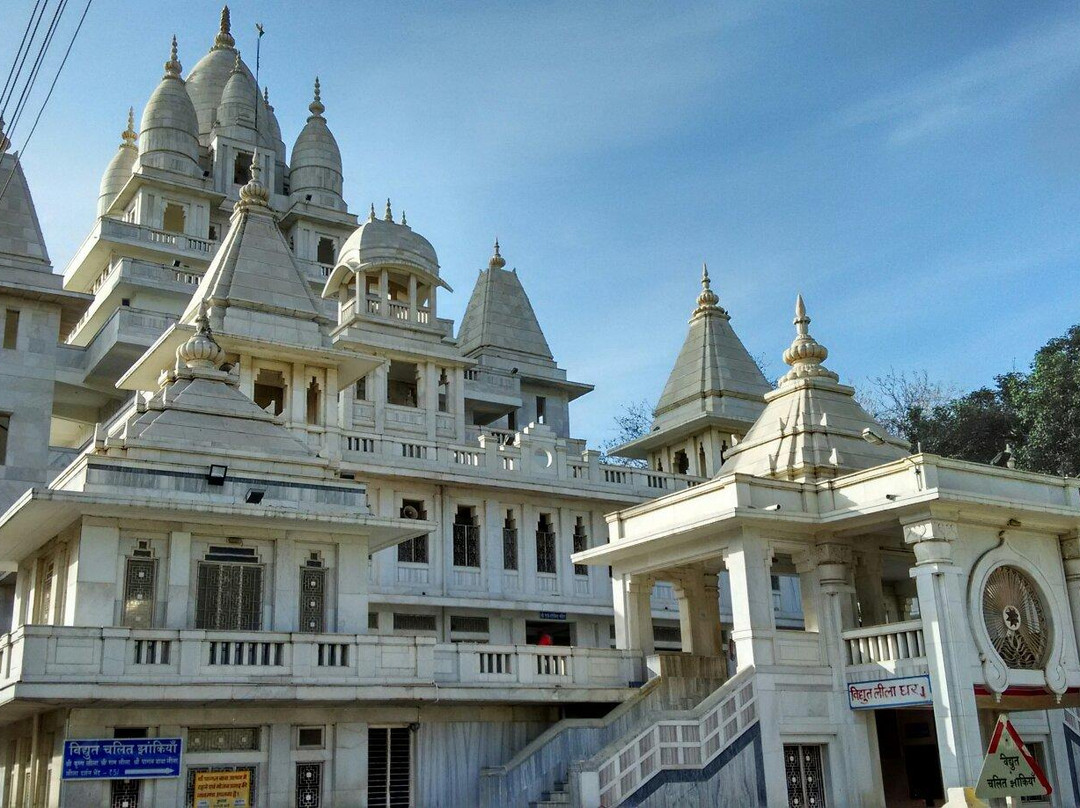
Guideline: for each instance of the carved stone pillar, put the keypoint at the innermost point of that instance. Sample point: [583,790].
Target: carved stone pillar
[942,605]
[631,596]
[748,561]
[699,612]
[1070,557]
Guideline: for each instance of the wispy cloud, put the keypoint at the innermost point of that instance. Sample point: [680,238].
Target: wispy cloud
[989,83]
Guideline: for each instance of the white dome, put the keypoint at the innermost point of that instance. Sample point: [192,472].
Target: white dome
[168,136]
[378,242]
[237,106]
[315,167]
[119,169]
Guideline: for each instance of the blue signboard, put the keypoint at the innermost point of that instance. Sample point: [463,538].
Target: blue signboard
[552,615]
[128,759]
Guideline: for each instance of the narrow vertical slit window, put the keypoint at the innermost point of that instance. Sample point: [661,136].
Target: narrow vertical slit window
[466,537]
[581,542]
[510,542]
[545,545]
[11,329]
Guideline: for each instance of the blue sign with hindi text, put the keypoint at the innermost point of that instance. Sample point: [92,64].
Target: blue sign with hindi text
[122,759]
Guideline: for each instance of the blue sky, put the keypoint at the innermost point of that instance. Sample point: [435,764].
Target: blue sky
[912,168]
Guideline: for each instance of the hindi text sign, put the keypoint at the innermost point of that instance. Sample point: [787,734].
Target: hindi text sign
[905,691]
[1010,770]
[121,759]
[223,789]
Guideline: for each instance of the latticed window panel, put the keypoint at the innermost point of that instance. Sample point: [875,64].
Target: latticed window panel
[193,770]
[1015,618]
[312,599]
[389,767]
[140,579]
[229,597]
[309,785]
[414,551]
[803,773]
[124,794]
[581,542]
[510,548]
[545,552]
[223,739]
[466,545]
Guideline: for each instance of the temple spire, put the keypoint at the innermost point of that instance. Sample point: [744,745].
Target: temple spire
[805,354]
[224,38]
[173,66]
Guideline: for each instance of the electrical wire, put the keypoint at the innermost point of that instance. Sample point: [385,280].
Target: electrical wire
[31,80]
[48,96]
[18,53]
[22,61]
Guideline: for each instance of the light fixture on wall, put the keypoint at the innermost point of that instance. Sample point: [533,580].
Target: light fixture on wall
[254,496]
[872,437]
[217,474]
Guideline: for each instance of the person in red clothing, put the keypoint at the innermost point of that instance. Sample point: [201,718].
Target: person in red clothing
[544,639]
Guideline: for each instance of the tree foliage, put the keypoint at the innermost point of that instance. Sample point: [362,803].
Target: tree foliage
[631,422]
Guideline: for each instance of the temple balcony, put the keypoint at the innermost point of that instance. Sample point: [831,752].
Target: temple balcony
[136,240]
[71,665]
[492,392]
[890,650]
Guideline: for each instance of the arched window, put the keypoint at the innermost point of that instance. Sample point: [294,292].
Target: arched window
[173,219]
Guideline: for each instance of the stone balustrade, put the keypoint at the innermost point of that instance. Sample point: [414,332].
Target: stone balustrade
[118,230]
[68,656]
[893,648]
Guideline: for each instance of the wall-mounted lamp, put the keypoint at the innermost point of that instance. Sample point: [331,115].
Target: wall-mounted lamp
[774,507]
[872,437]
[217,474]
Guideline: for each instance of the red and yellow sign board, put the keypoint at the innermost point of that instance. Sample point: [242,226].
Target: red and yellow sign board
[223,789]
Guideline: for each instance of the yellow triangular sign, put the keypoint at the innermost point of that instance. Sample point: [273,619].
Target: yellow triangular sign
[1010,769]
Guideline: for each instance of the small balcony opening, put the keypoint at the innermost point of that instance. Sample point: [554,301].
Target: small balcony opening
[242,168]
[682,462]
[172,221]
[269,391]
[326,252]
[401,387]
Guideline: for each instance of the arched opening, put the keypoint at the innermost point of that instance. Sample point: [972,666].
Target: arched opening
[314,402]
[682,462]
[241,168]
[326,252]
[269,391]
[172,221]
[701,470]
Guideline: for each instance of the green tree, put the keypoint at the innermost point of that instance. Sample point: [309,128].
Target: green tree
[631,422]
[975,426]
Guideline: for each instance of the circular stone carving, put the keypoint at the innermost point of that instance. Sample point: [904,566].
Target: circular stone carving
[1015,618]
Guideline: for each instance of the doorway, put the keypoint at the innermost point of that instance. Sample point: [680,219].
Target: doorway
[558,632]
[910,768]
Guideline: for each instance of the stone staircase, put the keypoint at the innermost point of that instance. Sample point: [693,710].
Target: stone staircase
[539,774]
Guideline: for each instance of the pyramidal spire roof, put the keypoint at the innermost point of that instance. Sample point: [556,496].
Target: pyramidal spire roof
[714,374]
[812,427]
[22,244]
[253,269]
[499,315]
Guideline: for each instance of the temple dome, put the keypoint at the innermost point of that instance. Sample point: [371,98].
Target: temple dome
[315,167]
[120,167]
[384,242]
[168,136]
[237,106]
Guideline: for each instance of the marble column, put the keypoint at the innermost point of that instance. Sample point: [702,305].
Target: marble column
[941,586]
[1070,555]
[699,612]
[633,611]
[748,560]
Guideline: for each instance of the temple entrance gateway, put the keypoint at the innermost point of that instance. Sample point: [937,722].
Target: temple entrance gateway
[908,751]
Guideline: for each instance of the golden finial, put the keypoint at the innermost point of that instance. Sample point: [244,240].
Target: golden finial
[316,106]
[128,135]
[496,261]
[224,38]
[389,213]
[371,216]
[173,66]
[805,354]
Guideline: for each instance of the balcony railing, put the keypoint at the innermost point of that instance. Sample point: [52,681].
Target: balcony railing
[67,655]
[893,647]
[115,229]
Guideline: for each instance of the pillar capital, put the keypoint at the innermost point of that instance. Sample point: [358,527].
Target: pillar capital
[931,539]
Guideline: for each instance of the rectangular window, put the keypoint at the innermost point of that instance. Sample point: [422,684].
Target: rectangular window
[511,421]
[466,538]
[361,389]
[222,739]
[373,621]
[326,252]
[313,599]
[11,329]
[5,426]
[45,592]
[581,542]
[401,384]
[510,542]
[309,785]
[545,545]
[241,168]
[413,551]
[309,738]
[541,409]
[140,576]
[803,772]
[414,622]
[389,767]
[229,597]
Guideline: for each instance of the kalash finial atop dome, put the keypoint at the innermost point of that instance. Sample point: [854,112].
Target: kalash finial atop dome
[708,300]
[389,213]
[254,193]
[201,349]
[316,106]
[173,66]
[805,354]
[371,216]
[224,38]
[129,135]
[496,261]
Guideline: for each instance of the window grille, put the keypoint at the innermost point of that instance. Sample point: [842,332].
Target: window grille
[229,597]
[466,545]
[308,785]
[312,599]
[373,621]
[48,573]
[668,634]
[413,551]
[802,769]
[309,738]
[193,770]
[389,767]
[222,739]
[545,545]
[125,794]
[413,622]
[1015,618]
[140,575]
[581,542]
[469,625]
[510,542]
